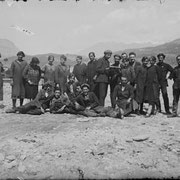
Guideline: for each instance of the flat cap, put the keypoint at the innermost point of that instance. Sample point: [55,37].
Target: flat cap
[117,55]
[107,52]
[85,85]
[21,53]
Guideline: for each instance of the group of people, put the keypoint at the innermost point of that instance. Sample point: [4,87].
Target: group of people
[83,91]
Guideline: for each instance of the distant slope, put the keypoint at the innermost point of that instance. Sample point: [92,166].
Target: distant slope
[71,59]
[170,49]
[114,46]
[7,48]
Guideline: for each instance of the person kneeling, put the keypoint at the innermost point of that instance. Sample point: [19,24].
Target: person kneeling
[122,97]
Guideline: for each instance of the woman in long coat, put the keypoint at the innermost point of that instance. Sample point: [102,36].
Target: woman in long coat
[18,89]
[32,75]
[1,85]
[140,83]
[152,86]
[61,73]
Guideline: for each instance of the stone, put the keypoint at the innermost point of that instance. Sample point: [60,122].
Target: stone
[140,138]
[10,165]
[10,158]
[2,157]
[21,167]
[23,157]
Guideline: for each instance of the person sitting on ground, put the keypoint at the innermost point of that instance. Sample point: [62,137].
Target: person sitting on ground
[122,97]
[59,102]
[39,104]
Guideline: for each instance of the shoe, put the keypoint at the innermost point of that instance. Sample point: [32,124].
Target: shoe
[147,115]
[11,110]
[2,106]
[168,113]
[172,115]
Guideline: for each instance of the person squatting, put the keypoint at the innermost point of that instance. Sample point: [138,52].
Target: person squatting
[83,91]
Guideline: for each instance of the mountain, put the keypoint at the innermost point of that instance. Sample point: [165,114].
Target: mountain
[7,48]
[43,58]
[170,49]
[114,46]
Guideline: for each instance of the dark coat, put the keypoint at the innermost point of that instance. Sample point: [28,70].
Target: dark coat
[120,97]
[61,74]
[17,68]
[1,82]
[129,73]
[90,101]
[140,81]
[175,75]
[153,80]
[114,74]
[49,72]
[90,73]
[79,72]
[164,68]
[102,73]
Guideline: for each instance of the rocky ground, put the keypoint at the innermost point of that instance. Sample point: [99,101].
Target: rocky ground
[75,147]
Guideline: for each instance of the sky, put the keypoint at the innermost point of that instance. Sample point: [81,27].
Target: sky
[69,26]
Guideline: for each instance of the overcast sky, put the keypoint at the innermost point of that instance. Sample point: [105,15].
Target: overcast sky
[68,27]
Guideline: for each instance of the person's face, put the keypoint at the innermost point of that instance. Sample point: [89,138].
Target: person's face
[116,59]
[85,90]
[178,60]
[148,63]
[124,81]
[78,60]
[78,89]
[91,57]
[51,60]
[57,93]
[20,56]
[152,61]
[72,79]
[62,61]
[161,59]
[107,55]
[49,89]
[145,62]
[126,63]
[132,58]
[124,56]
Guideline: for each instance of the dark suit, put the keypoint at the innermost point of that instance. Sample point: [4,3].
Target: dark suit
[102,79]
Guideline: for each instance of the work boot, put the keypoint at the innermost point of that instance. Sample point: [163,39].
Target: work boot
[172,115]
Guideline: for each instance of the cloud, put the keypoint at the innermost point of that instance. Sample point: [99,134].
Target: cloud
[81,29]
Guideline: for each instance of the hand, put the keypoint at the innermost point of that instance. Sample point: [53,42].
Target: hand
[88,108]
[11,83]
[42,110]
[129,100]
[29,82]
[95,77]
[135,86]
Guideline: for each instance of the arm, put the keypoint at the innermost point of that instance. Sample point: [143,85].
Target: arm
[100,69]
[95,101]
[56,75]
[114,96]
[25,72]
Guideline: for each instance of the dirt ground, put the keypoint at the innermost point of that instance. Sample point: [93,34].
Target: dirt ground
[75,147]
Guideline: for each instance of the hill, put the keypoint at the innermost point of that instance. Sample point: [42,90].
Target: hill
[170,49]
[99,48]
[7,48]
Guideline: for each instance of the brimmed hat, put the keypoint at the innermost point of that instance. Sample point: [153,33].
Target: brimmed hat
[161,54]
[85,85]
[48,84]
[108,52]
[21,53]
[117,55]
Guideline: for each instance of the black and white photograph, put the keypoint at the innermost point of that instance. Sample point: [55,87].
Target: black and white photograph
[89,89]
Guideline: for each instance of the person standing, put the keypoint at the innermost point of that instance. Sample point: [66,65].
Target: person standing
[153,79]
[91,71]
[1,85]
[32,76]
[175,75]
[140,80]
[133,63]
[79,70]
[18,89]
[114,74]
[102,78]
[48,70]
[165,69]
[61,73]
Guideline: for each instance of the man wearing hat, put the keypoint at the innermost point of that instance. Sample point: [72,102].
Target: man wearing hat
[17,68]
[114,74]
[165,69]
[102,76]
